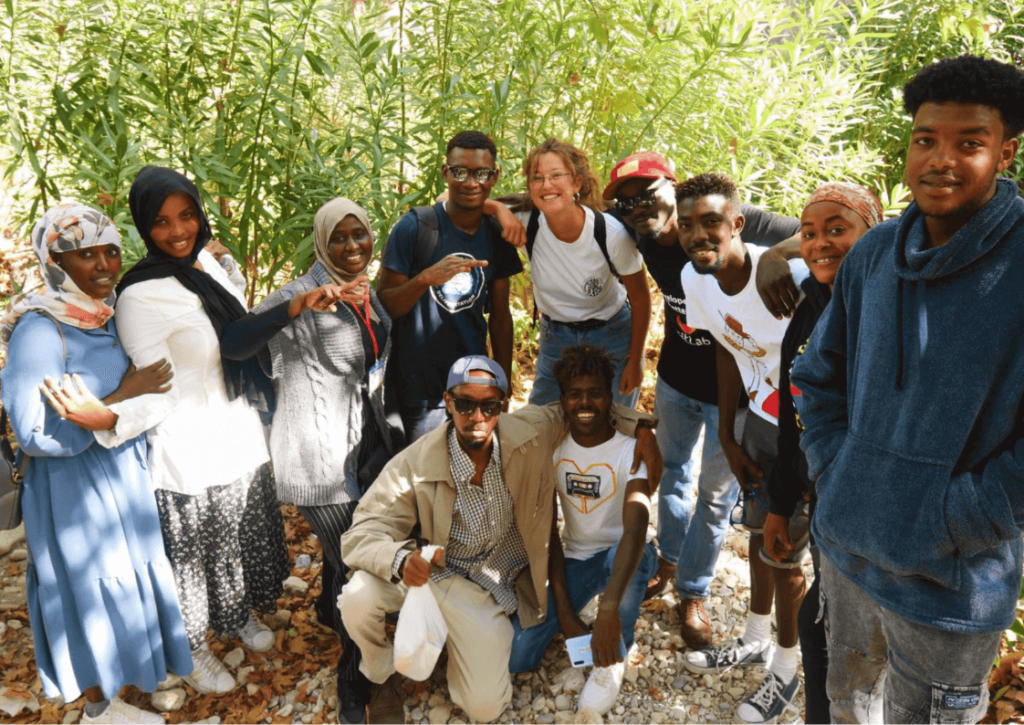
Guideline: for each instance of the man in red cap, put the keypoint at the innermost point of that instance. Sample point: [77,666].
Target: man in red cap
[691,520]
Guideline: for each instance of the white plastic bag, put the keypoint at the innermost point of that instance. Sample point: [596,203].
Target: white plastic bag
[421,630]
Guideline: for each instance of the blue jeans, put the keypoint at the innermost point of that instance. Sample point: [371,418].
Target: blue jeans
[585,579]
[692,519]
[420,421]
[554,338]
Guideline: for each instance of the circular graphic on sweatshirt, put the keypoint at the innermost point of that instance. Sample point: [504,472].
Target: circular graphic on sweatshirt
[461,291]
[593,286]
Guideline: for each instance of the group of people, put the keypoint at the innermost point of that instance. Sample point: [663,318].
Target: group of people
[160,448]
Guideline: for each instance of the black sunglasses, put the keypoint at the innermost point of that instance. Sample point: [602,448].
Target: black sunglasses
[467,406]
[642,200]
[461,173]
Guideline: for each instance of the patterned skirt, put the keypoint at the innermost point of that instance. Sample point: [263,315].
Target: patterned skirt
[226,547]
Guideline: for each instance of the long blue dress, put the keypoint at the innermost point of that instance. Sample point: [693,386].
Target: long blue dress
[101,594]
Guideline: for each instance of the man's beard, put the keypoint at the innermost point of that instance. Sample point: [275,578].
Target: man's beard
[714,266]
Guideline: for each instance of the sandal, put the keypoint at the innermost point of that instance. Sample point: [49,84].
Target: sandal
[661,582]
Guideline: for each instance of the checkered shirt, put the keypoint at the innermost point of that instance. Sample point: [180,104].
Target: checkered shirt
[485,545]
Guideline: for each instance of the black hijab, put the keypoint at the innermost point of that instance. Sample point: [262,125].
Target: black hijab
[149,191]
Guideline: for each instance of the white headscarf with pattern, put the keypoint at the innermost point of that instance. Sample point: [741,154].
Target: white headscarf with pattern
[64,228]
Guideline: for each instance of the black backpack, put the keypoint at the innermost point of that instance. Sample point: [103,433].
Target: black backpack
[428,236]
[600,236]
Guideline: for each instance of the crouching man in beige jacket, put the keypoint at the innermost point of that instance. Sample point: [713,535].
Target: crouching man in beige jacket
[488,501]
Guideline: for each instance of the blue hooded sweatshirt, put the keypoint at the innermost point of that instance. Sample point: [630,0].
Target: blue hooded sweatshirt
[911,398]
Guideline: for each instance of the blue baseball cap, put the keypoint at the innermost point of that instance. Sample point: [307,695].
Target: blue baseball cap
[460,373]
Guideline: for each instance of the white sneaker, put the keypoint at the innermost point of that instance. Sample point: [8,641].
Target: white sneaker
[210,674]
[256,636]
[602,688]
[119,711]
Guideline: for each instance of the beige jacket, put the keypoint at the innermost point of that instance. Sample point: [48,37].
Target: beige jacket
[416,489]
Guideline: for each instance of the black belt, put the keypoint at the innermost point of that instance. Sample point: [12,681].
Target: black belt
[581,326]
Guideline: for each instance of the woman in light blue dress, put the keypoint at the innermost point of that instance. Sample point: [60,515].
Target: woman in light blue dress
[101,593]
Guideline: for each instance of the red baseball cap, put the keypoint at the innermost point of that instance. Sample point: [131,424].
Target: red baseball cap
[643,165]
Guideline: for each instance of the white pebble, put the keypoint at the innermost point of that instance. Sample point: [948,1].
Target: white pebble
[168,700]
[234,658]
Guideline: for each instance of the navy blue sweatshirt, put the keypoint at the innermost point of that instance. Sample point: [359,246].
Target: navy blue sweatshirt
[911,401]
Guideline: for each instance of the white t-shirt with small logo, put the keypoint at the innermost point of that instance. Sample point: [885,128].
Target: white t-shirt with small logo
[571,280]
[592,488]
[744,327]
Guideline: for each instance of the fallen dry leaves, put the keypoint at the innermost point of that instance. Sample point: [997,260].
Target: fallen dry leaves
[303,648]
[1006,687]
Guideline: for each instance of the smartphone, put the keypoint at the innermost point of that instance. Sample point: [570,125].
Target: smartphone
[580,653]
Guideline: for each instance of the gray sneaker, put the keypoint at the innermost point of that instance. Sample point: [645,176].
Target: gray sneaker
[722,657]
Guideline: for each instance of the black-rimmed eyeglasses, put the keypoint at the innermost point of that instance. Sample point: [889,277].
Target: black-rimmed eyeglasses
[461,173]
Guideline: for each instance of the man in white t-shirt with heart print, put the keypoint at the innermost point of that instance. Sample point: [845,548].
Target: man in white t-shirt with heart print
[604,548]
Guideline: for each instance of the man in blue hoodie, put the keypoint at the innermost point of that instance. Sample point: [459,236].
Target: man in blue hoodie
[911,398]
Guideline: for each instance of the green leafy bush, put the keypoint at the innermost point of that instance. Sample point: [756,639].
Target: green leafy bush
[275,107]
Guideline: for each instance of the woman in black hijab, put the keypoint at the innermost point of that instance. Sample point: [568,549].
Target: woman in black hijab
[219,514]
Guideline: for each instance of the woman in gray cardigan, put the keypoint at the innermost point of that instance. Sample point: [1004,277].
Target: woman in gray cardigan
[329,437]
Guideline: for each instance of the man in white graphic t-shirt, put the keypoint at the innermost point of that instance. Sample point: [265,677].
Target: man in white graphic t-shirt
[604,547]
[722,298]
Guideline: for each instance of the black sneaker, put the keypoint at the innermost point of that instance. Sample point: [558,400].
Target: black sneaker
[725,656]
[770,700]
[353,697]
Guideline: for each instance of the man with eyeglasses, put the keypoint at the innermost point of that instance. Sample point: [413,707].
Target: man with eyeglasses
[482,488]
[691,522]
[437,286]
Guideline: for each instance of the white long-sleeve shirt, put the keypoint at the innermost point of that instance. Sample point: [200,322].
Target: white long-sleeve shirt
[198,437]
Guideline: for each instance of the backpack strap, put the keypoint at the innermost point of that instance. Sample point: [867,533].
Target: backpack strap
[532,227]
[601,236]
[428,236]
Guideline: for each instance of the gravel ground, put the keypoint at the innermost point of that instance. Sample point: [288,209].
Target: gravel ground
[658,687]
[294,682]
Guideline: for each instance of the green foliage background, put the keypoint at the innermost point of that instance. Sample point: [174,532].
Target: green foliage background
[275,106]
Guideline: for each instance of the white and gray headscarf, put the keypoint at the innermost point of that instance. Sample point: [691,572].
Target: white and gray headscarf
[327,218]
